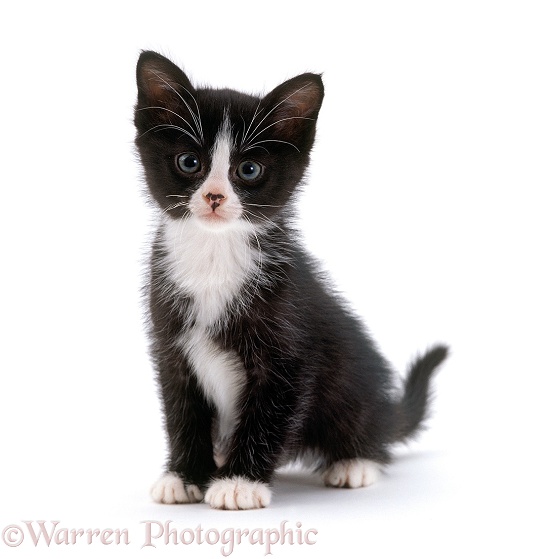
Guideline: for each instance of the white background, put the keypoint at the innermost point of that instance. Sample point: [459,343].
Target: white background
[426,201]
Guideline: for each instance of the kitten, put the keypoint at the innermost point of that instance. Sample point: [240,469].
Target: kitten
[258,361]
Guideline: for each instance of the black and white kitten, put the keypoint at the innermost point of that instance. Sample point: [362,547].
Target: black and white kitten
[258,361]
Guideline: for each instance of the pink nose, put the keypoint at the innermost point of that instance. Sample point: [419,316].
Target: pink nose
[214,200]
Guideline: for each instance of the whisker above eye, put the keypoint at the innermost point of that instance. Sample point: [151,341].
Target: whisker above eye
[251,122]
[256,144]
[172,112]
[196,119]
[277,105]
[256,134]
[171,127]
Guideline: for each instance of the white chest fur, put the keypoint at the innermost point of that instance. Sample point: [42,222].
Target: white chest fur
[213,267]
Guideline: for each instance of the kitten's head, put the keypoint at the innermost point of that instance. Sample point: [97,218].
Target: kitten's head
[220,156]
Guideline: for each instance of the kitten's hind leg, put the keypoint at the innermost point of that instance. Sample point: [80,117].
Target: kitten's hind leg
[352,473]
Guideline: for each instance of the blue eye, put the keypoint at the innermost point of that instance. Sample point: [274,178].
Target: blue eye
[249,170]
[188,162]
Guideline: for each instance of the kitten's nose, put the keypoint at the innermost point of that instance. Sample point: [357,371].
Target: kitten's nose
[214,200]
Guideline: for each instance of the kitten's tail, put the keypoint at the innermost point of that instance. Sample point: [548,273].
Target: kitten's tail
[412,408]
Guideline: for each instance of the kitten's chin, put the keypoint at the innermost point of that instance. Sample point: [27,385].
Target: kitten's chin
[216,222]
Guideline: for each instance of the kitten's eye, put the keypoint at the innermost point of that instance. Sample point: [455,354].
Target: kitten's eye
[249,170]
[188,163]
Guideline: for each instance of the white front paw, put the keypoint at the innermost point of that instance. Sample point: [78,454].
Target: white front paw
[170,489]
[357,472]
[238,493]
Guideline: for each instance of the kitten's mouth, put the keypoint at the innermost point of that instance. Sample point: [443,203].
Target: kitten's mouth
[215,218]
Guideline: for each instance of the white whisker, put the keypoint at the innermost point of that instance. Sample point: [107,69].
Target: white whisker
[259,259]
[256,144]
[171,127]
[174,206]
[174,113]
[251,122]
[274,123]
[277,105]
[264,219]
[167,110]
[262,205]
[197,121]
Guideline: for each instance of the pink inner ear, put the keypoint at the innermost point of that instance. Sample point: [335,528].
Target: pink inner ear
[287,114]
[302,102]
[296,106]
[157,85]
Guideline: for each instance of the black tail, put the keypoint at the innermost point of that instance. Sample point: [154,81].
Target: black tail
[411,410]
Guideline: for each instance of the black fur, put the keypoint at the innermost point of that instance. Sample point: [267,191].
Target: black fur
[314,380]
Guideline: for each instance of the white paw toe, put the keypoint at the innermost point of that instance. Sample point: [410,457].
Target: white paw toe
[357,472]
[170,489]
[238,493]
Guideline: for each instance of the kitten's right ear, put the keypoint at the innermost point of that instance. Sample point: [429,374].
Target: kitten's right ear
[160,81]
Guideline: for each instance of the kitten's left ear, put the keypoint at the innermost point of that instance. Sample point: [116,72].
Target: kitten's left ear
[294,105]
[159,80]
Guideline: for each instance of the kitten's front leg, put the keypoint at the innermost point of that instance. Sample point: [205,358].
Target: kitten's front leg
[243,481]
[188,424]
[171,489]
